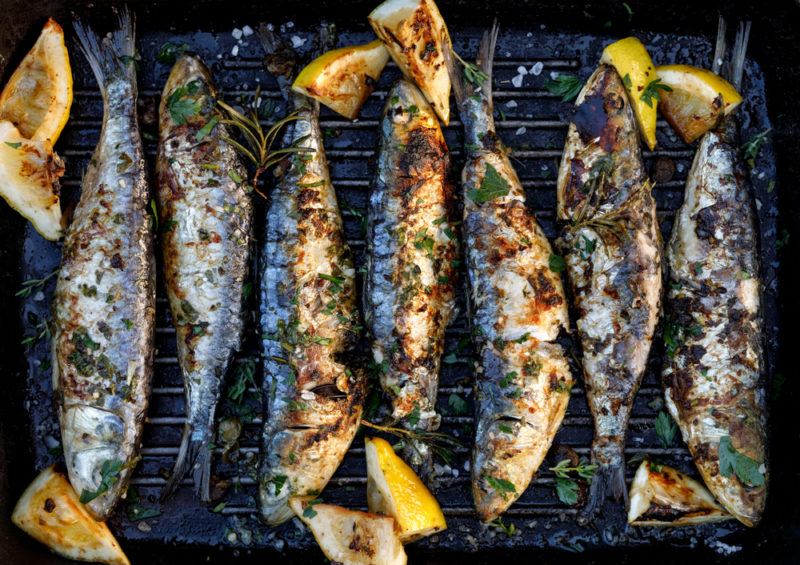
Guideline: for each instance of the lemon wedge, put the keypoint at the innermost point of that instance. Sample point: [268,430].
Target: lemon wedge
[697,101]
[29,173]
[50,512]
[395,490]
[415,34]
[342,79]
[351,536]
[38,96]
[631,60]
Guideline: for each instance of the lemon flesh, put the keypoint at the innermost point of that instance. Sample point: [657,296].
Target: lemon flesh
[699,98]
[350,536]
[29,173]
[50,512]
[342,79]
[415,34]
[395,490]
[38,96]
[632,61]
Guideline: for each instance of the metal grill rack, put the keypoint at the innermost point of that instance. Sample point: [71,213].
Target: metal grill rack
[533,123]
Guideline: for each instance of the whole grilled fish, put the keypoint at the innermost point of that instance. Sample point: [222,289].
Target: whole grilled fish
[612,245]
[713,370]
[411,248]
[309,319]
[517,309]
[104,304]
[205,213]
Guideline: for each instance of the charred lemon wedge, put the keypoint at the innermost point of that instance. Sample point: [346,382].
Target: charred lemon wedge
[50,512]
[697,100]
[415,34]
[29,173]
[350,536]
[342,79]
[38,96]
[632,61]
[395,490]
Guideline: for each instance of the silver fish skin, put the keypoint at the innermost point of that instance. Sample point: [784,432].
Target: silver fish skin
[205,213]
[517,309]
[714,365]
[104,305]
[411,269]
[309,319]
[612,245]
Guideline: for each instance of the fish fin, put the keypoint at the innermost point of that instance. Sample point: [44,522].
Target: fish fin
[462,88]
[194,454]
[608,484]
[738,56]
[111,57]
[720,47]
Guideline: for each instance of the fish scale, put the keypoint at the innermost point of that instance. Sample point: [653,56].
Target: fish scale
[351,176]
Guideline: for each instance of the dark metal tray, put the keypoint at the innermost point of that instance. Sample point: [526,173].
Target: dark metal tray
[532,123]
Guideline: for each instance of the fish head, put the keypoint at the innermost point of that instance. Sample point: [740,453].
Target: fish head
[96,458]
[188,95]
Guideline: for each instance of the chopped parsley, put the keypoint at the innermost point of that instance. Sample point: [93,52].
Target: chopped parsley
[501,486]
[652,91]
[565,86]
[747,470]
[492,186]
[109,474]
[14,144]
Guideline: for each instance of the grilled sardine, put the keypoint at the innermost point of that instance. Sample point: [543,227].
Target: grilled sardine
[104,304]
[517,309]
[612,245]
[205,214]
[309,319]
[411,253]
[713,371]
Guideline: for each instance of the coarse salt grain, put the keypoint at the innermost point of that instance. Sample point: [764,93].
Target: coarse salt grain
[247,31]
[236,33]
[536,69]
[521,130]
[511,104]
[522,70]
[517,81]
[235,51]
[297,41]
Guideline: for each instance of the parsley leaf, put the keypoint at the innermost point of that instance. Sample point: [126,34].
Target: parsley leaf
[665,429]
[751,149]
[748,470]
[651,91]
[556,263]
[492,186]
[567,490]
[109,474]
[565,86]
[169,52]
[206,129]
[182,104]
[308,511]
[458,404]
[502,486]
[14,145]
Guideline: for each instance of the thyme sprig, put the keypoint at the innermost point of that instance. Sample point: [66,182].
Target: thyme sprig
[439,443]
[30,285]
[256,145]
[472,72]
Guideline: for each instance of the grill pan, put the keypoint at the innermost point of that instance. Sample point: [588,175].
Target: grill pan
[533,123]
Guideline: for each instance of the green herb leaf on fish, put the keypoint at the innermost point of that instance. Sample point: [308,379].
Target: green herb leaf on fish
[169,52]
[203,132]
[751,149]
[502,486]
[665,429]
[556,263]
[652,91]
[308,511]
[14,144]
[748,470]
[182,104]
[109,474]
[566,86]
[492,186]
[413,416]
[154,214]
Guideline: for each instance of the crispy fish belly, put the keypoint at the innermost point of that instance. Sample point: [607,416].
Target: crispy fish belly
[309,318]
[409,296]
[205,231]
[713,372]
[517,309]
[612,245]
[104,305]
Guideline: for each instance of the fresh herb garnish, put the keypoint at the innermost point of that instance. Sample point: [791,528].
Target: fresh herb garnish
[747,469]
[492,186]
[508,529]
[565,86]
[439,443]
[133,508]
[14,144]
[109,474]
[29,285]
[665,429]
[243,377]
[751,149]
[308,511]
[458,404]
[626,80]
[566,490]
[502,486]
[183,104]
[652,91]
[556,263]
[203,132]
[566,487]
[169,52]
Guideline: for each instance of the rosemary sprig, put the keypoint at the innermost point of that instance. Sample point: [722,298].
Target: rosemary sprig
[30,285]
[440,444]
[256,146]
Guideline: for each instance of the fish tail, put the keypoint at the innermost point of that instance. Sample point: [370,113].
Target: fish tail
[736,69]
[112,57]
[463,88]
[194,454]
[608,483]
[720,47]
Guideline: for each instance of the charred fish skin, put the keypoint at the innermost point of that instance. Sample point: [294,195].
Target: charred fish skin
[612,246]
[205,213]
[517,310]
[310,320]
[104,305]
[411,261]
[714,371]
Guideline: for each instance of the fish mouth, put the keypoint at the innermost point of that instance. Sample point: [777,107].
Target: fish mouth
[93,441]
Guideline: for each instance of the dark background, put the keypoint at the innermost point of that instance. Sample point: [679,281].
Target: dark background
[774,45]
